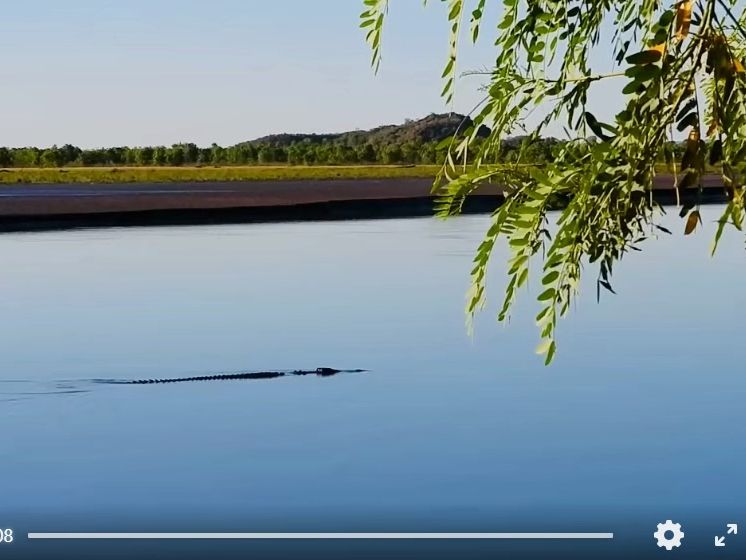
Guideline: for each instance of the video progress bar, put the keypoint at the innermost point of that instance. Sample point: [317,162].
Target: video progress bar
[327,536]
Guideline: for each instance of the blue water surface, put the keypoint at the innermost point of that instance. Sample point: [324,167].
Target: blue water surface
[640,419]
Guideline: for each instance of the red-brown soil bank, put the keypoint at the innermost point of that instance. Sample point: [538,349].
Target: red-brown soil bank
[30,207]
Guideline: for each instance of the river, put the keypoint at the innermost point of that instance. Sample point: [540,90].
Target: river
[640,419]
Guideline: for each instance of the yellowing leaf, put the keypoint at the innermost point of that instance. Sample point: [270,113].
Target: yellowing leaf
[543,348]
[661,48]
[691,222]
[683,19]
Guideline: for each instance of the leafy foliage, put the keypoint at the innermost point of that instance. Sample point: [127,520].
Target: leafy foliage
[371,20]
[680,65]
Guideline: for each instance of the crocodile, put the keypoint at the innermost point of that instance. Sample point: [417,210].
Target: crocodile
[321,372]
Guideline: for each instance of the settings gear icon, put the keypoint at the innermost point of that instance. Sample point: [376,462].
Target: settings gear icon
[669,535]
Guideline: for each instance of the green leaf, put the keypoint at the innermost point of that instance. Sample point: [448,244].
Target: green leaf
[547,294]
[550,277]
[664,230]
[607,286]
[690,120]
[716,152]
[519,242]
[645,57]
[449,67]
[687,108]
[646,73]
[550,353]
[522,278]
[595,126]
[633,87]
[542,315]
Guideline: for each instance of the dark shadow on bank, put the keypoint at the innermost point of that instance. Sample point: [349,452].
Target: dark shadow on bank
[365,209]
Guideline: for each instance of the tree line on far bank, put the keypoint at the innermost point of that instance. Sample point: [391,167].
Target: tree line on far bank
[250,153]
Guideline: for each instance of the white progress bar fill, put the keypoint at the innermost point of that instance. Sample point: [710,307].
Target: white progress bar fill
[336,536]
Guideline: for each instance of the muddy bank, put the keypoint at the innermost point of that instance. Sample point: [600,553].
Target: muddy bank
[41,207]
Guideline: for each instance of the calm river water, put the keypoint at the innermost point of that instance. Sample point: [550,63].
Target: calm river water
[640,419]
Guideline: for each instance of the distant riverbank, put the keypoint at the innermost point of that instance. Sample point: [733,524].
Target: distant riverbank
[28,207]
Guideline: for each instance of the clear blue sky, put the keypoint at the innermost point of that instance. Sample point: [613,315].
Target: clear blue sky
[107,72]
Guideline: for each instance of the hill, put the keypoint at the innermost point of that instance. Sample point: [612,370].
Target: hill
[434,127]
